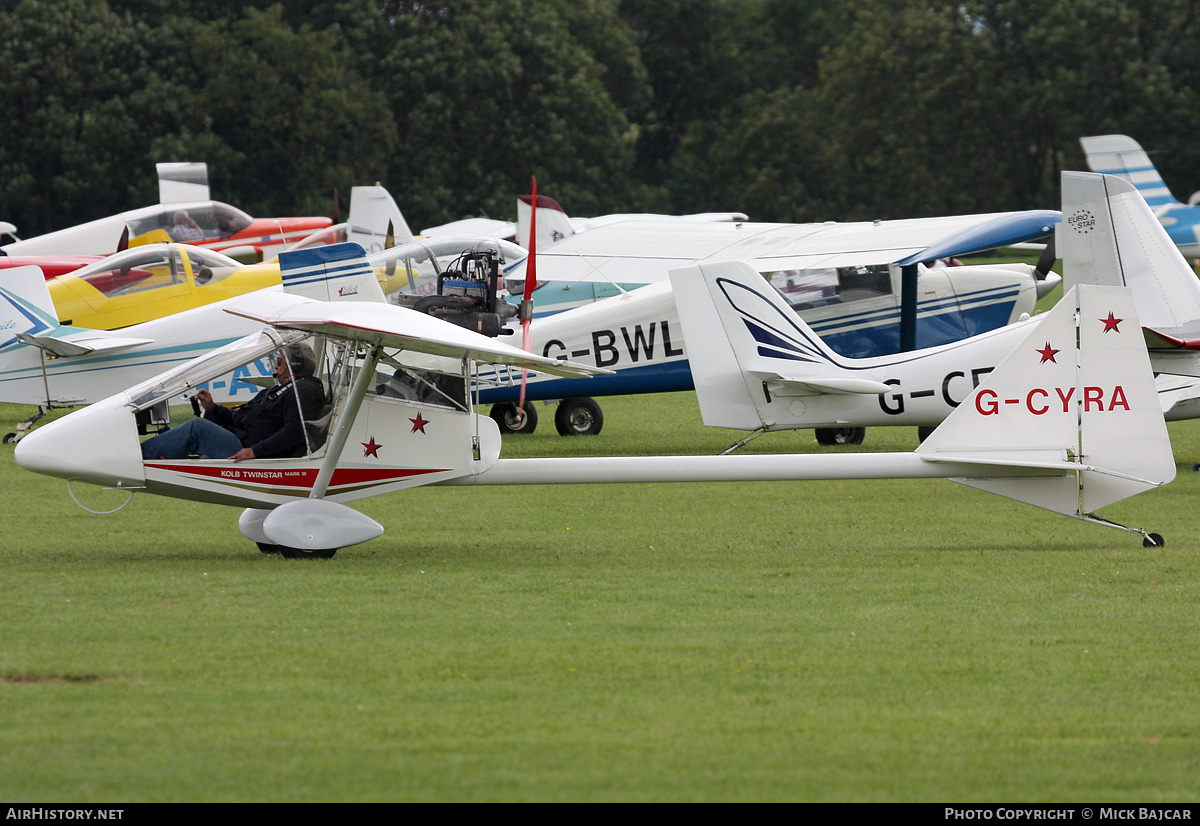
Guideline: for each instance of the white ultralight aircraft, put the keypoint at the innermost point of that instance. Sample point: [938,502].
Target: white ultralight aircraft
[1070,422]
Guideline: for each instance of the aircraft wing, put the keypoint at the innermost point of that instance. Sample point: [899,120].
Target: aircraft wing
[82,344]
[393,326]
[642,252]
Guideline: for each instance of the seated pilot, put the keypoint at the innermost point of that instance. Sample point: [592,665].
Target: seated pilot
[269,425]
[185,228]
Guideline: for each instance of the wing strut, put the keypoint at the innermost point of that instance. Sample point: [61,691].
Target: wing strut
[341,433]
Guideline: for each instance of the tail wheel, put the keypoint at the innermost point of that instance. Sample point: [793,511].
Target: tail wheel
[924,432]
[505,416]
[578,417]
[840,435]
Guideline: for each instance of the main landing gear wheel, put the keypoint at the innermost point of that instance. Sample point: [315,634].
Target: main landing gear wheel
[840,435]
[505,415]
[578,417]
[296,553]
[1153,540]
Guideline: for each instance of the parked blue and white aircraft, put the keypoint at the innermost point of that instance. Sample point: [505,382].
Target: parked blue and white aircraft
[1124,157]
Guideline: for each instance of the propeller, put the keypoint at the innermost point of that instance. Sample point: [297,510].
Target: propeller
[525,311]
[1045,260]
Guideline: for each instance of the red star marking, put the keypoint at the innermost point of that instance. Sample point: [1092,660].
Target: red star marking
[1047,354]
[1111,323]
[418,424]
[371,448]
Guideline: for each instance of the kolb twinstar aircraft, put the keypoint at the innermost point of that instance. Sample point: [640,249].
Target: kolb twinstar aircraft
[1069,421]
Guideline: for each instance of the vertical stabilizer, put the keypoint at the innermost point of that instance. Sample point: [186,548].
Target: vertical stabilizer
[739,331]
[1110,236]
[1122,156]
[373,212]
[1077,399]
[25,305]
[181,183]
[339,272]
[553,225]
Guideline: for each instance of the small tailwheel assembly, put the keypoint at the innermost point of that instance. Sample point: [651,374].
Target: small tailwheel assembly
[1153,540]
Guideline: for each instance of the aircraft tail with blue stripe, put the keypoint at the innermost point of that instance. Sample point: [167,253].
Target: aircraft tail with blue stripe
[1122,156]
[339,272]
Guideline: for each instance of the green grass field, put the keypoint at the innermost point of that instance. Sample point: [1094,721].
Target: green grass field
[848,641]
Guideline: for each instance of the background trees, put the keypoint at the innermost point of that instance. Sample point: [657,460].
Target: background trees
[789,110]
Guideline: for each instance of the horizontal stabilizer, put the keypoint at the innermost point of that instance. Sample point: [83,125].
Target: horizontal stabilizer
[795,386]
[1161,339]
[81,344]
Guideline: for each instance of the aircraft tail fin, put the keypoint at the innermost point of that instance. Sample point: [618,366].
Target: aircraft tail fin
[737,373]
[25,305]
[1109,235]
[1076,403]
[1122,156]
[338,272]
[553,225]
[180,183]
[374,217]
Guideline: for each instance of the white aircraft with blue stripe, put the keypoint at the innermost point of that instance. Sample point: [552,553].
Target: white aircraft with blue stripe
[1122,156]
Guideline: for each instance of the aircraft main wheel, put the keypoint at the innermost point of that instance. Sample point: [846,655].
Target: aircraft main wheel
[268,549]
[1154,540]
[578,417]
[505,415]
[300,553]
[840,435]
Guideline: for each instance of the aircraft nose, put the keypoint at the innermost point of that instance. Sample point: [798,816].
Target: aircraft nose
[98,444]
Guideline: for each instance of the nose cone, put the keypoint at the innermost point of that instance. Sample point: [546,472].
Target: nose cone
[98,444]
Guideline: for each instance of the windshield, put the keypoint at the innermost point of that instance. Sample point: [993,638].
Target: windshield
[201,221]
[151,266]
[184,378]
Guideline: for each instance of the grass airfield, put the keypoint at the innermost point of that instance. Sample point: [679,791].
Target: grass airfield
[912,640]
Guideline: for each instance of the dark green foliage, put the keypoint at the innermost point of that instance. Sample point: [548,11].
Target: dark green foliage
[790,110]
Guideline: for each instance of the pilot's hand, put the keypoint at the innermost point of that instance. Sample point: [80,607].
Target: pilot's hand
[206,400]
[243,454]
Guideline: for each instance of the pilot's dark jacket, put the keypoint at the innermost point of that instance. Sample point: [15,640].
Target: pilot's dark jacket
[270,422]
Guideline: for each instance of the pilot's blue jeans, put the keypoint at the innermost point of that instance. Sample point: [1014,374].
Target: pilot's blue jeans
[195,436]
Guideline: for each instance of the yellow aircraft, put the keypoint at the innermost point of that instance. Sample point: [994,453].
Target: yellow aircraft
[151,281]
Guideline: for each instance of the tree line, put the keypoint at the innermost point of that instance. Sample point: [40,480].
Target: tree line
[788,110]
